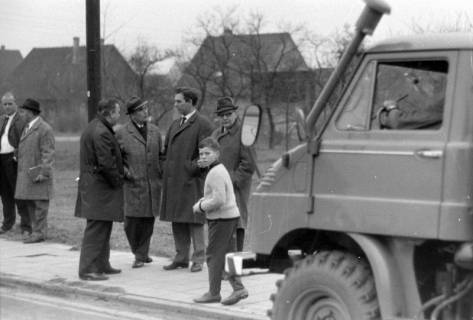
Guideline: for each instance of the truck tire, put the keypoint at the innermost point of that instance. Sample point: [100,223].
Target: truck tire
[329,285]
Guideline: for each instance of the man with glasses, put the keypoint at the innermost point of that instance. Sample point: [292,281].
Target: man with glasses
[237,160]
[11,127]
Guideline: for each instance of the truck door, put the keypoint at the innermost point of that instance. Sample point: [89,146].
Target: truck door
[381,159]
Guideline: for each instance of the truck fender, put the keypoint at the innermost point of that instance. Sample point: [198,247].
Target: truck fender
[388,281]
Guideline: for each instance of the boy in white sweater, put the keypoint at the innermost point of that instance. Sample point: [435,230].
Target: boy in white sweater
[222,213]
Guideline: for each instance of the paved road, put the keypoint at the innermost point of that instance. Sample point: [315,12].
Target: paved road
[21,305]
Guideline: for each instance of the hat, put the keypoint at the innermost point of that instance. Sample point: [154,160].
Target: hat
[31,104]
[134,104]
[225,104]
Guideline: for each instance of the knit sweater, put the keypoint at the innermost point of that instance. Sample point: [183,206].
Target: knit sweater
[219,198]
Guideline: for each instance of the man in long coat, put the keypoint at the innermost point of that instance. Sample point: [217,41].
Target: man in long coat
[34,184]
[237,160]
[140,143]
[100,192]
[183,180]
[11,127]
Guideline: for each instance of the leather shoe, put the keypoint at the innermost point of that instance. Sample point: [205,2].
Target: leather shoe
[176,265]
[111,270]
[93,276]
[25,235]
[208,298]
[33,239]
[196,267]
[138,264]
[235,297]
[148,260]
[2,230]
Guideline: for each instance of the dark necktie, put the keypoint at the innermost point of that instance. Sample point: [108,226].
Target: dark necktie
[183,119]
[2,130]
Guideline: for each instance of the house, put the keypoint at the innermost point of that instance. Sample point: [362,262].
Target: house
[57,78]
[9,60]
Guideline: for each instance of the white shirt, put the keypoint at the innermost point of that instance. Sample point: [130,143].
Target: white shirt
[6,146]
[30,124]
[187,116]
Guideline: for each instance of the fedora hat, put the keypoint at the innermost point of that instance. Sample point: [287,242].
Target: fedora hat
[31,104]
[134,104]
[225,104]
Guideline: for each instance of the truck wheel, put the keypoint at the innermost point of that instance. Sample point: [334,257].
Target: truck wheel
[329,285]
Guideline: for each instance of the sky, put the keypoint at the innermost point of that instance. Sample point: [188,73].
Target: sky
[25,24]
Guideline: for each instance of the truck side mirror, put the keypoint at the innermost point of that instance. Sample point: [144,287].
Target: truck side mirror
[301,125]
[251,125]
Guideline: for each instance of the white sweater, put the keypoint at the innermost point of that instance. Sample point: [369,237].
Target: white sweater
[219,198]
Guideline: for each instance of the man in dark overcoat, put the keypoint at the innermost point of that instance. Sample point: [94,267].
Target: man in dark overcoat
[183,180]
[237,160]
[100,192]
[11,127]
[140,143]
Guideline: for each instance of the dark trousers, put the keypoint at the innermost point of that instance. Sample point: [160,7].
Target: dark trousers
[8,174]
[183,233]
[240,239]
[95,251]
[37,213]
[222,239]
[139,231]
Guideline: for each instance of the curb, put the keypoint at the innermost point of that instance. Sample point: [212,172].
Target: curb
[186,308]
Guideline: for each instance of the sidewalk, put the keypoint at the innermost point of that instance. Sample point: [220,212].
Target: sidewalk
[53,267]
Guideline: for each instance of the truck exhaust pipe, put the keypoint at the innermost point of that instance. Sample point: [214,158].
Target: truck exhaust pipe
[365,25]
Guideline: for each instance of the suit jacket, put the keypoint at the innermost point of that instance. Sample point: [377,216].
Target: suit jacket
[236,158]
[183,180]
[143,172]
[100,192]
[16,129]
[36,149]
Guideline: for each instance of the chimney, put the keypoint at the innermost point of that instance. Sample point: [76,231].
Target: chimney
[75,50]
[227,31]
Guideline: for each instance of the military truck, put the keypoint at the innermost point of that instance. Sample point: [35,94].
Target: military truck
[371,217]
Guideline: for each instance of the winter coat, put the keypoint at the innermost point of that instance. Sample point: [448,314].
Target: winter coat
[100,192]
[142,187]
[236,158]
[35,152]
[183,180]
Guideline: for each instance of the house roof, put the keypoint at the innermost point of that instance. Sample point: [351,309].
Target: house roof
[276,52]
[9,60]
[49,73]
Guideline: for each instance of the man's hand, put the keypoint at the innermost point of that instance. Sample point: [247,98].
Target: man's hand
[196,208]
[40,178]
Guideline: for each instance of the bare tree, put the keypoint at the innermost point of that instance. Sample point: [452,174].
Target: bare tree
[461,23]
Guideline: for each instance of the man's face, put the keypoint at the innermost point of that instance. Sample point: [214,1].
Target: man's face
[227,119]
[9,105]
[115,115]
[207,156]
[28,115]
[140,116]
[182,106]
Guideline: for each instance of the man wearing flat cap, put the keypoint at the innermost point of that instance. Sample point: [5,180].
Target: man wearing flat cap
[34,186]
[140,144]
[236,159]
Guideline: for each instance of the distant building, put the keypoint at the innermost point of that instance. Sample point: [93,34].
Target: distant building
[9,60]
[57,78]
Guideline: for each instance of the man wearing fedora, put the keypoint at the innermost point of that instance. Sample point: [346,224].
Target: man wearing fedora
[34,186]
[183,180]
[100,191]
[237,160]
[140,144]
[11,127]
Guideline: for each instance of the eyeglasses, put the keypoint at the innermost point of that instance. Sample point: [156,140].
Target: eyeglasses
[8,103]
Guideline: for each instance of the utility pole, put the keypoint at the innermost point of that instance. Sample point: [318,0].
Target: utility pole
[92,14]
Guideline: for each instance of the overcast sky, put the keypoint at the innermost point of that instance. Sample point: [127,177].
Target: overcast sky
[25,24]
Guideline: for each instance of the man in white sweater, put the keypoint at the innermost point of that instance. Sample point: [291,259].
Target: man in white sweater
[222,214]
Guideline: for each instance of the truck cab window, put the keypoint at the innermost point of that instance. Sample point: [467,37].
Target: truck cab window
[409,95]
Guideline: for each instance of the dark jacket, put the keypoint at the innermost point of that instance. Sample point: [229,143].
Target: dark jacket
[142,188]
[183,180]
[16,129]
[100,193]
[236,158]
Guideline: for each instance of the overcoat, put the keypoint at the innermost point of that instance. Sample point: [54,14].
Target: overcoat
[236,158]
[183,180]
[100,191]
[36,149]
[143,173]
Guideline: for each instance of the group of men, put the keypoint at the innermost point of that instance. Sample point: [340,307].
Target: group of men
[26,162]
[128,171]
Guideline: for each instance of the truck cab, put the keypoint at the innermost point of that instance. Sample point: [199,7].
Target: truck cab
[371,217]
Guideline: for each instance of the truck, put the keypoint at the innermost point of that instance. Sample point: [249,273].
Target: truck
[371,216]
